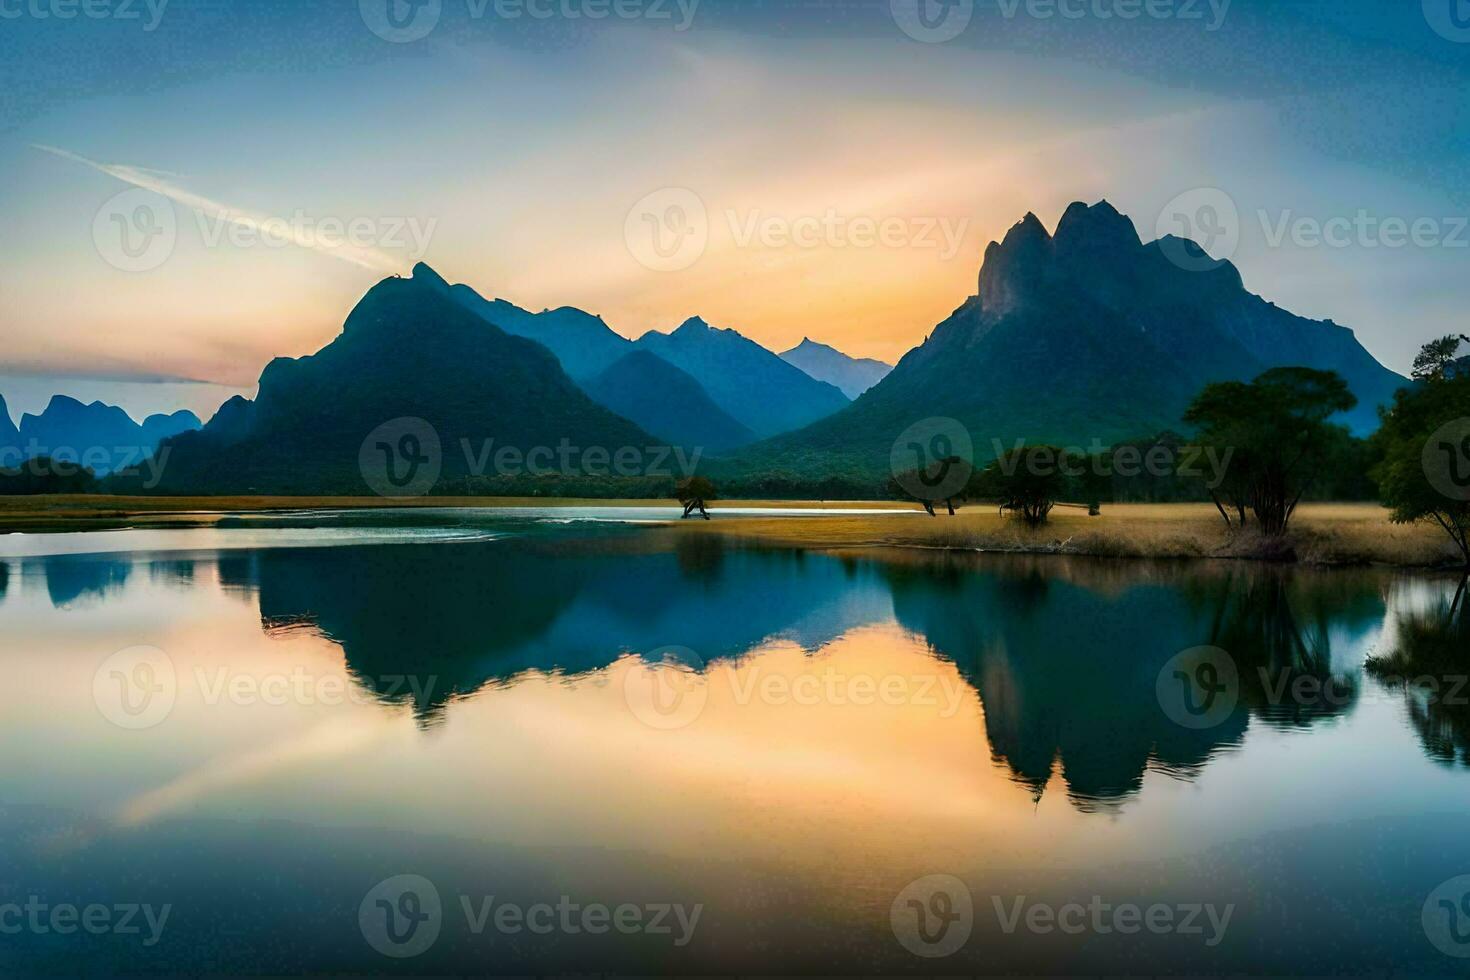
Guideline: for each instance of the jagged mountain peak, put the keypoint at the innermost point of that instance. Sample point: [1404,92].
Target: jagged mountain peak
[1097,226]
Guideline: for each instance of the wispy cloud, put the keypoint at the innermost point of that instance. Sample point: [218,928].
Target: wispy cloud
[160,182]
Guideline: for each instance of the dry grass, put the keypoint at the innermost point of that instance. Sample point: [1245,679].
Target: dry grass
[1321,533]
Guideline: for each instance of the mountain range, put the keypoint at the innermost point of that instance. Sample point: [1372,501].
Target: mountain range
[101,436]
[850,375]
[1079,337]
[760,391]
[1086,334]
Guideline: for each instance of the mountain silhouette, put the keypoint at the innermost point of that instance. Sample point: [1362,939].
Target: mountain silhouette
[756,387]
[408,351]
[1086,334]
[10,444]
[585,345]
[851,375]
[103,437]
[645,389]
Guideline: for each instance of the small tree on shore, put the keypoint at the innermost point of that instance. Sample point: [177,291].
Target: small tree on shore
[693,493]
[938,483]
[1424,444]
[1276,433]
[1028,481]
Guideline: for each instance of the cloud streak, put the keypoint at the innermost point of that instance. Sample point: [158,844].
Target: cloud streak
[257,223]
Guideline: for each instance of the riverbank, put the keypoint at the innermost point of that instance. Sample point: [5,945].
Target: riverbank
[1324,534]
[1321,534]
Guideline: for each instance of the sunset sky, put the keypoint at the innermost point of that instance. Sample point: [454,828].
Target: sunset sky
[514,150]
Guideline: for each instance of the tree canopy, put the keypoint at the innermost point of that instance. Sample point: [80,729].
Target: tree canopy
[1424,444]
[1278,437]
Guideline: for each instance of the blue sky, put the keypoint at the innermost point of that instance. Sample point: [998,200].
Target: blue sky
[509,149]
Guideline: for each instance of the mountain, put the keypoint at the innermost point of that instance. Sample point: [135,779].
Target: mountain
[102,437]
[753,385]
[1088,334]
[583,343]
[646,389]
[852,375]
[10,444]
[346,419]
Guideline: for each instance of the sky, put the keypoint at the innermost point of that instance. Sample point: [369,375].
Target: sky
[193,187]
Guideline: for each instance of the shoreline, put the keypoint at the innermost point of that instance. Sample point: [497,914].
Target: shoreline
[1322,534]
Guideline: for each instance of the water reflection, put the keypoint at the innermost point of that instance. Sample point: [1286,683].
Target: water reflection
[1064,654]
[1429,663]
[77,580]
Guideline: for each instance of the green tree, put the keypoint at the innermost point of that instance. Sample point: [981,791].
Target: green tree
[949,481]
[1436,358]
[1424,445]
[693,493]
[1028,481]
[1276,432]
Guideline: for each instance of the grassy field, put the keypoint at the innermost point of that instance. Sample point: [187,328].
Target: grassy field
[1321,533]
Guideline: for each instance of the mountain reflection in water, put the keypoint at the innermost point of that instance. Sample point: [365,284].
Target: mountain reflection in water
[1063,654]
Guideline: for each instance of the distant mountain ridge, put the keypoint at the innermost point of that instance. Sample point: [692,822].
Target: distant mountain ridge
[755,386]
[98,435]
[730,368]
[648,390]
[851,375]
[1088,334]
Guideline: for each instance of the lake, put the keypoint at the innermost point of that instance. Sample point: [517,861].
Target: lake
[571,741]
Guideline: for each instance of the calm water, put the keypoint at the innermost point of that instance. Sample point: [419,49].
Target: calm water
[444,744]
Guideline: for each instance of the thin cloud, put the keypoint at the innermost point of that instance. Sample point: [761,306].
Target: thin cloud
[157,181]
